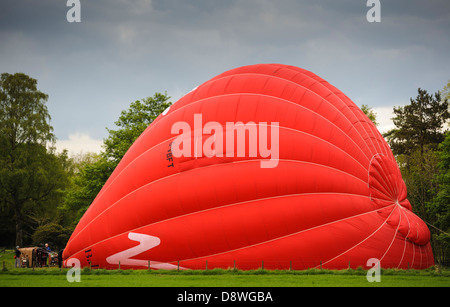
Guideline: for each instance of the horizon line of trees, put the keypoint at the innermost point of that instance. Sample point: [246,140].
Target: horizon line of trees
[43,194]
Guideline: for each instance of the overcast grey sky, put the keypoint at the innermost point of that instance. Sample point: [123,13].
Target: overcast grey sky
[125,50]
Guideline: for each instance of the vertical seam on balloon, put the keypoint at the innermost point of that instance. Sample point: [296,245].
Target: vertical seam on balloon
[386,191]
[379,140]
[368,176]
[421,256]
[406,237]
[332,93]
[395,192]
[365,239]
[386,183]
[344,116]
[375,134]
[406,212]
[423,251]
[429,252]
[414,255]
[360,122]
[369,136]
[395,232]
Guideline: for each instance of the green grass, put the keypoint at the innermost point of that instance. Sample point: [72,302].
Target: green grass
[54,277]
[173,279]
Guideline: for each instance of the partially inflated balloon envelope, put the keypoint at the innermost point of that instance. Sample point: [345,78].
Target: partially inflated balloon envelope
[261,165]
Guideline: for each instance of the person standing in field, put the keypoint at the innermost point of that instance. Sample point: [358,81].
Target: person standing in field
[17,257]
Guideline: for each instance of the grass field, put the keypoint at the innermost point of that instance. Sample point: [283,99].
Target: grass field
[54,277]
[221,278]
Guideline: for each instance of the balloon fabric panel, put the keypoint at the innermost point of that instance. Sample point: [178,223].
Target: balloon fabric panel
[277,166]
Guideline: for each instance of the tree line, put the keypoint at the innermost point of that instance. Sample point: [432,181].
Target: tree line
[43,193]
[420,142]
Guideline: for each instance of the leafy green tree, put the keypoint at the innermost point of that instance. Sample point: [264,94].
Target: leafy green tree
[31,177]
[87,181]
[439,207]
[132,122]
[446,91]
[418,124]
[52,233]
[91,177]
[371,114]
[420,172]
[24,117]
[420,131]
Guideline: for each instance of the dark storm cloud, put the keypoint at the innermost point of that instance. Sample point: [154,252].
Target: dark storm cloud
[126,50]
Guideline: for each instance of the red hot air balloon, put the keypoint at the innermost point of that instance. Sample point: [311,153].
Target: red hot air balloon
[263,164]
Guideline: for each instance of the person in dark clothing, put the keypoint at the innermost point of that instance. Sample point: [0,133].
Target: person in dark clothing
[60,258]
[17,257]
